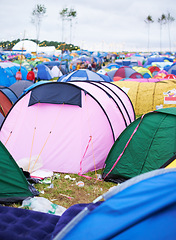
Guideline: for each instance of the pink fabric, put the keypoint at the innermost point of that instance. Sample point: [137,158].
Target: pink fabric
[59,134]
[142,79]
[109,105]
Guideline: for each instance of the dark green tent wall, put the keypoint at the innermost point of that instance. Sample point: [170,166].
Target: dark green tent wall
[151,146]
[13,184]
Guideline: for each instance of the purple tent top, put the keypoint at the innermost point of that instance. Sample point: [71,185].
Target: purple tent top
[66,127]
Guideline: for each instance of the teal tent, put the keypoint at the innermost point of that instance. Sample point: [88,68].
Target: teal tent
[145,145]
[13,184]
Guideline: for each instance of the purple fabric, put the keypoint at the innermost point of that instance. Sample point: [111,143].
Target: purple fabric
[71,213]
[23,224]
[20,224]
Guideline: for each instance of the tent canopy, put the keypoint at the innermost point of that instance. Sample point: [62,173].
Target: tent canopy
[134,210]
[14,186]
[145,145]
[78,130]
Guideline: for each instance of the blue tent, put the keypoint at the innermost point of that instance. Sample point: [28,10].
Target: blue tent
[143,207]
[172,69]
[62,65]
[43,72]
[84,75]
[112,65]
[8,71]
[156,59]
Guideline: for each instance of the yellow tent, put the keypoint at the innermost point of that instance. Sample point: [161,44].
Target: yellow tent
[147,96]
[143,71]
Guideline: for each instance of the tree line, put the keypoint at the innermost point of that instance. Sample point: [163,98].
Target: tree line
[37,15]
[164,19]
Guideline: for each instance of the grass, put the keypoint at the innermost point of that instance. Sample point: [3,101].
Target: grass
[65,192]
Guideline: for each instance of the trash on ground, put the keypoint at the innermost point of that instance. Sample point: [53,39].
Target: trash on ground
[70,178]
[42,204]
[80,184]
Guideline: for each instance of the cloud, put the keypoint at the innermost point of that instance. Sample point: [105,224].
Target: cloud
[119,23]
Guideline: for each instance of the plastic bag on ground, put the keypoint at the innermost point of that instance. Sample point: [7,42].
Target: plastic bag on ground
[42,204]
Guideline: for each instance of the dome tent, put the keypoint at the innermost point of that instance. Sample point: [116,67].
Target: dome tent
[7,99]
[136,209]
[8,71]
[145,145]
[26,46]
[19,86]
[127,72]
[84,75]
[14,186]
[76,133]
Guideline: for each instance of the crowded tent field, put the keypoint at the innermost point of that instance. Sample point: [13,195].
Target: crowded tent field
[88,132]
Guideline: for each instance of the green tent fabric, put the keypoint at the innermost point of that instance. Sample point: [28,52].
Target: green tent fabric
[13,184]
[145,145]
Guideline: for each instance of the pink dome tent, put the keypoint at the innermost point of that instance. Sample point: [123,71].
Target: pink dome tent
[66,127]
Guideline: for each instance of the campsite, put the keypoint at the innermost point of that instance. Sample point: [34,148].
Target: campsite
[88,121]
[72,140]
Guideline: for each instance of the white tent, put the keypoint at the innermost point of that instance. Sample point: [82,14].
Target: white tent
[25,45]
[30,46]
[56,72]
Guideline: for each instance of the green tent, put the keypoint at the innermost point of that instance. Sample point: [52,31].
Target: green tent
[145,145]
[13,184]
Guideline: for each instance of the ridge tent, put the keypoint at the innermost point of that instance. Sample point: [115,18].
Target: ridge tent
[13,184]
[146,96]
[7,99]
[66,127]
[148,143]
[141,208]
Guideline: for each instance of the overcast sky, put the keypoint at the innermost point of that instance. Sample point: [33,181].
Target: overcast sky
[113,25]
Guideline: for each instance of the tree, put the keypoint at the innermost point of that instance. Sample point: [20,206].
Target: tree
[161,21]
[67,14]
[72,14]
[148,20]
[37,15]
[63,14]
[169,20]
